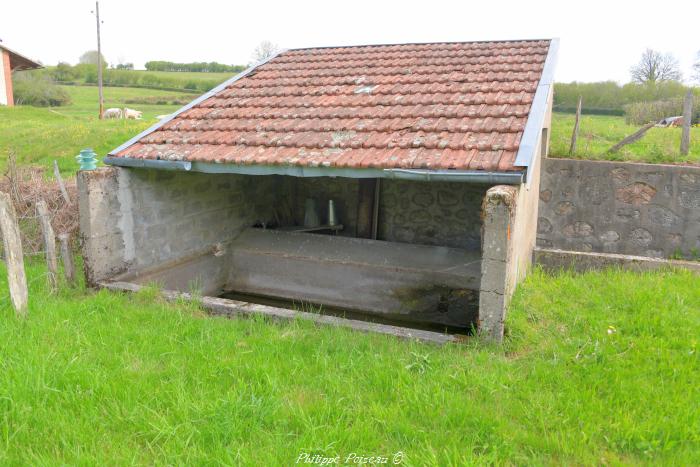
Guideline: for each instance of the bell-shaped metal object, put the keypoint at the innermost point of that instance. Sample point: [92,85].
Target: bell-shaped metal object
[311,214]
[332,216]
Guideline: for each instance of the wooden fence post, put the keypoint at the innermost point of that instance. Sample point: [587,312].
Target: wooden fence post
[687,117]
[574,134]
[67,256]
[59,179]
[633,137]
[49,243]
[12,242]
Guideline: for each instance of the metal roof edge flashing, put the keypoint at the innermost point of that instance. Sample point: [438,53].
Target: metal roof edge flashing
[538,110]
[187,107]
[476,176]
[497,178]
[148,163]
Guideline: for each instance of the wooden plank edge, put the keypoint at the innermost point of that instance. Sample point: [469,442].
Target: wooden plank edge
[234,308]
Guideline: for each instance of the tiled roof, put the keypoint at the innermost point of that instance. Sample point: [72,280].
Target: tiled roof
[434,106]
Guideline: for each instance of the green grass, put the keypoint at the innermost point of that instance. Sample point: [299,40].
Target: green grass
[40,135]
[84,101]
[598,133]
[596,369]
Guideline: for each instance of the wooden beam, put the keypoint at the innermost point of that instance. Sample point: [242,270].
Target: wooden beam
[61,185]
[49,244]
[12,242]
[375,208]
[687,117]
[574,134]
[67,257]
[365,205]
[633,137]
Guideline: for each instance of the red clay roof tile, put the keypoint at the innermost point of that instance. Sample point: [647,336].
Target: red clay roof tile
[460,106]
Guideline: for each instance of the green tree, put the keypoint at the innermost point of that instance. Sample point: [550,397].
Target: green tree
[90,58]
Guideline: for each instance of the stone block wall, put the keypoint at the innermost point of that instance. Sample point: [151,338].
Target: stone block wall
[135,219]
[625,208]
[178,213]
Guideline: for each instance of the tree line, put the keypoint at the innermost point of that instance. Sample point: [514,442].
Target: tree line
[611,98]
[90,58]
[655,79]
[199,67]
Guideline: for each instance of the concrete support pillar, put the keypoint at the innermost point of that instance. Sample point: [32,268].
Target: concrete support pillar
[497,271]
[103,241]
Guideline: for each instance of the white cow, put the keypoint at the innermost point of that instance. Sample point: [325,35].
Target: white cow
[112,113]
[131,113]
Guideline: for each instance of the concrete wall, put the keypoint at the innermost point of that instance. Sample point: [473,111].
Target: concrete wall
[435,213]
[136,219]
[554,261]
[624,208]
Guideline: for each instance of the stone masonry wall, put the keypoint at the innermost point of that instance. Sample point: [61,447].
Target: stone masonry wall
[434,213]
[442,213]
[608,207]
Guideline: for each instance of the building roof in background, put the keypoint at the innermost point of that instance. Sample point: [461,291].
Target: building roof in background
[438,106]
[19,62]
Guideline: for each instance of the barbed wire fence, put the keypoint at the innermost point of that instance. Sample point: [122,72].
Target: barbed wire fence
[42,210]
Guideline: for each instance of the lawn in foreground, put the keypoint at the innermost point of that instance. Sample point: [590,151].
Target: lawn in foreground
[599,133]
[598,368]
[40,135]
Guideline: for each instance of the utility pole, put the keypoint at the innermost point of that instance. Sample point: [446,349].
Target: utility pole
[99,60]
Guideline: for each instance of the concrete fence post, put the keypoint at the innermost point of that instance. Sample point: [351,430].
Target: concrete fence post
[498,216]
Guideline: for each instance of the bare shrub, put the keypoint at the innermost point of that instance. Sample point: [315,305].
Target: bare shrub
[645,112]
[26,186]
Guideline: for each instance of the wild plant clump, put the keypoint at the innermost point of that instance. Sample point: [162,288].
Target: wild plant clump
[28,185]
[37,89]
[645,112]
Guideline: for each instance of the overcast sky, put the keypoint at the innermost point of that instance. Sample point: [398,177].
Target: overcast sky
[599,39]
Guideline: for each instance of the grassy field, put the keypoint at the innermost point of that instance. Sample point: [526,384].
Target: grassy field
[40,135]
[598,133]
[186,75]
[165,80]
[596,369]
